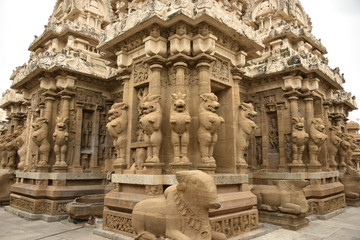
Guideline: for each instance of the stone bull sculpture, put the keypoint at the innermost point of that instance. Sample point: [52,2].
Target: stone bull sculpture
[182,213]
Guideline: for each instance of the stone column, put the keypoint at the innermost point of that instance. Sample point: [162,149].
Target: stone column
[77,151]
[294,109]
[309,111]
[204,77]
[280,121]
[95,144]
[155,80]
[180,76]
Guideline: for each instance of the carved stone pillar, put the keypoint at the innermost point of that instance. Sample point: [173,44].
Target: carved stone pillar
[294,109]
[280,121]
[155,81]
[309,111]
[326,163]
[76,167]
[204,77]
[95,144]
[180,76]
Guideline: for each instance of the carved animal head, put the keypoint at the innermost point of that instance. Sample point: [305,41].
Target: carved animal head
[178,100]
[198,188]
[61,123]
[318,124]
[298,123]
[247,110]
[151,103]
[38,123]
[352,171]
[210,102]
[335,135]
[117,110]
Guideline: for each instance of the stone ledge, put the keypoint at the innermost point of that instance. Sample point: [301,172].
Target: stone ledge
[60,176]
[144,179]
[31,216]
[326,216]
[294,176]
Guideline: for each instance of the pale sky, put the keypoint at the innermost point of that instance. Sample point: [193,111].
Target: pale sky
[335,22]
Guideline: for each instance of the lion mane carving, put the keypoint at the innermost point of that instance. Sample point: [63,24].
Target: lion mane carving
[183,211]
[150,122]
[334,144]
[209,125]
[299,139]
[317,139]
[286,196]
[117,126]
[61,137]
[246,128]
[179,121]
[39,137]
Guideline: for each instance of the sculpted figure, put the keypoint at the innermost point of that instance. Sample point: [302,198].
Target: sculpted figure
[11,150]
[209,125]
[334,144]
[246,128]
[183,211]
[22,148]
[351,180]
[3,152]
[39,137]
[349,153]
[180,122]
[286,196]
[345,148]
[317,139]
[117,126]
[299,139]
[151,124]
[61,137]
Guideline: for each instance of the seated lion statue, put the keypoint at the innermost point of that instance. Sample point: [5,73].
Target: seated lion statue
[317,139]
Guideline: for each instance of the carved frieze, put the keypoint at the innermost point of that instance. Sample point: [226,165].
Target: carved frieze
[141,72]
[220,70]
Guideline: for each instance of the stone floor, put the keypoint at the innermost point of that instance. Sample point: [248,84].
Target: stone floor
[345,226]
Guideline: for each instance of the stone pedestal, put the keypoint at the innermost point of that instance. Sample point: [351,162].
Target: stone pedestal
[120,168]
[176,167]
[313,167]
[288,221]
[297,167]
[236,216]
[60,169]
[154,168]
[43,168]
[242,168]
[38,195]
[209,168]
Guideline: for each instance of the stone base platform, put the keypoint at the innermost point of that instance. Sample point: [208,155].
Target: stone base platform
[324,194]
[42,194]
[31,216]
[236,216]
[288,221]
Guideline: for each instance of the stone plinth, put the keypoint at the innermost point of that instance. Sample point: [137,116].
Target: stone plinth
[237,214]
[37,193]
[324,194]
[288,221]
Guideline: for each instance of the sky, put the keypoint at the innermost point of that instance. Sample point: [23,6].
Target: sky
[335,22]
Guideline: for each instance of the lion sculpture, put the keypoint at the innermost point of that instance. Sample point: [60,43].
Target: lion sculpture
[317,139]
[345,148]
[117,126]
[61,137]
[246,128]
[183,211]
[19,142]
[350,152]
[334,144]
[299,139]
[180,122]
[11,150]
[286,196]
[39,137]
[209,125]
[150,122]
[3,152]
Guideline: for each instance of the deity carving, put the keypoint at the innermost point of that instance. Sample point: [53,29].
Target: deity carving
[317,139]
[61,137]
[39,137]
[151,124]
[117,127]
[286,196]
[180,122]
[246,128]
[299,139]
[183,211]
[209,125]
[334,144]
[86,130]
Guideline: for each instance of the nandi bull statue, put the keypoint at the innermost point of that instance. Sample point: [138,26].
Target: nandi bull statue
[180,122]
[183,211]
[246,128]
[209,126]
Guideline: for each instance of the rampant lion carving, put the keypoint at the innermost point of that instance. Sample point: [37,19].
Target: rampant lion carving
[117,126]
[61,137]
[179,121]
[209,125]
[246,128]
[183,211]
[317,139]
[299,139]
[39,137]
[286,196]
[334,144]
[150,122]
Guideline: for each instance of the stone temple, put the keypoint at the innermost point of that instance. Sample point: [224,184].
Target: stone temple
[120,98]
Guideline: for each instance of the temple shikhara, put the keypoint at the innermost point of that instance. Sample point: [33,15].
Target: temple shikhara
[200,118]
